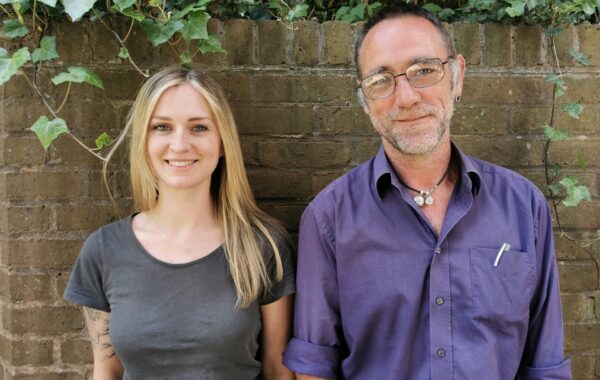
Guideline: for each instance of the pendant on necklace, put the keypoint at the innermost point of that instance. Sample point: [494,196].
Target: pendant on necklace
[424,198]
[419,200]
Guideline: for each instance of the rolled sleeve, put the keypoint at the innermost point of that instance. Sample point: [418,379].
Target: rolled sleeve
[311,359]
[560,371]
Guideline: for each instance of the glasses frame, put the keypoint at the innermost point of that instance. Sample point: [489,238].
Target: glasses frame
[450,57]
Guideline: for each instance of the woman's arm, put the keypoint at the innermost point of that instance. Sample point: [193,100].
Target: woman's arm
[277,330]
[107,365]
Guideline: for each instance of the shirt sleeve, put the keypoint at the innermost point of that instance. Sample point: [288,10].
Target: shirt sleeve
[316,346]
[287,284]
[543,357]
[85,286]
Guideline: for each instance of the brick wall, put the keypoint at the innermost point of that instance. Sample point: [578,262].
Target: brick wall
[292,91]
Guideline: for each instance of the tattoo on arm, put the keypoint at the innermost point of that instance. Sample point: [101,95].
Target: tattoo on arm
[97,323]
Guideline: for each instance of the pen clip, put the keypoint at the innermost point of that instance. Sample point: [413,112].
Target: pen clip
[505,247]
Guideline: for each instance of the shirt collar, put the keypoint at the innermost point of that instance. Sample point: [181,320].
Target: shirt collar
[384,175]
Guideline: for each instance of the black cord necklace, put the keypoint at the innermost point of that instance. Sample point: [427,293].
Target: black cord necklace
[425,196]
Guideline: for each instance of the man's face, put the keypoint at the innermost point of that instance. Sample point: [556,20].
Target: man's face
[414,121]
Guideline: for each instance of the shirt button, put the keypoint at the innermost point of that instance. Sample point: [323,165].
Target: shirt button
[441,353]
[439,301]
[438,250]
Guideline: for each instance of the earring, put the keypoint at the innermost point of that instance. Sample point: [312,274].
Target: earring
[457,98]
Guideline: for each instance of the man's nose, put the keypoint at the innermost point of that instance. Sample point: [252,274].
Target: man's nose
[405,95]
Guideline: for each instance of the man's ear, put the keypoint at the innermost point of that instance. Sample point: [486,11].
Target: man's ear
[361,100]
[458,75]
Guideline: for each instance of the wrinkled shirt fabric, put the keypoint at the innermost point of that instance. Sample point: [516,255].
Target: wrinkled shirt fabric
[381,296]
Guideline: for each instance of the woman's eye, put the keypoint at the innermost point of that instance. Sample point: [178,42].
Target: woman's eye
[199,128]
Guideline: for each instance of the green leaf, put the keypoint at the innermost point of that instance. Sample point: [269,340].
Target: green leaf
[210,45]
[48,130]
[199,6]
[50,3]
[123,4]
[553,134]
[576,194]
[298,12]
[517,9]
[195,26]
[46,51]
[581,161]
[186,58]
[14,29]
[432,8]
[554,189]
[79,75]
[569,181]
[579,57]
[103,140]
[598,234]
[10,65]
[123,53]
[77,8]
[573,109]
[159,32]
[134,14]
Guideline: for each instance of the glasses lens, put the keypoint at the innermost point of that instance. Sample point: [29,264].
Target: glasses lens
[378,86]
[425,73]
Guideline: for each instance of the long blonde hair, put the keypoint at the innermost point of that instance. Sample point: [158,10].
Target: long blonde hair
[244,225]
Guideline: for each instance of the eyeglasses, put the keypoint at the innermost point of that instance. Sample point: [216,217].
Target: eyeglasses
[420,74]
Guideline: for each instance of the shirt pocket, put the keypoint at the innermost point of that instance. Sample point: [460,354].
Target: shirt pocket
[501,294]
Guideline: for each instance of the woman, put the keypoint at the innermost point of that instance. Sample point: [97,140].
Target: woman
[198,283]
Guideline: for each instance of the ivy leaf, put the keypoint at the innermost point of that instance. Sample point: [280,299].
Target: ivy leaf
[581,161]
[50,3]
[517,9]
[195,27]
[77,8]
[186,58]
[569,181]
[123,53]
[579,57]
[199,6]
[79,75]
[554,189]
[9,65]
[14,29]
[573,109]
[46,51]
[553,134]
[123,4]
[134,14]
[298,12]
[560,87]
[103,140]
[432,8]
[159,32]
[48,130]
[575,193]
[210,45]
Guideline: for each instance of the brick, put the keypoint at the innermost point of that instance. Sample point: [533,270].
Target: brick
[587,124]
[96,117]
[85,217]
[563,42]
[42,374]
[239,42]
[529,119]
[43,253]
[273,42]
[249,151]
[122,185]
[61,278]
[18,86]
[22,151]
[288,214]
[280,184]
[596,298]
[237,86]
[322,179]
[24,219]
[274,120]
[503,151]
[28,287]
[66,151]
[589,43]
[576,276]
[586,216]
[103,44]
[306,43]
[364,149]
[314,154]
[22,114]
[528,45]
[27,352]
[582,366]
[76,351]
[565,152]
[344,120]
[507,90]
[169,53]
[97,188]
[474,120]
[120,84]
[337,43]
[43,320]
[577,307]
[139,47]
[582,337]
[215,28]
[40,185]
[582,90]
[467,42]
[498,44]
[304,89]
[71,40]
[568,250]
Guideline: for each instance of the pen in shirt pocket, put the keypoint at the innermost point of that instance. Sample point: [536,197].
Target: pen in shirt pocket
[503,248]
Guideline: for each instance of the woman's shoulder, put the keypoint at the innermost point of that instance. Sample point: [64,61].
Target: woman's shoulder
[107,236]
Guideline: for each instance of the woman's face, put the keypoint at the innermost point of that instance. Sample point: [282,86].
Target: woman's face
[184,144]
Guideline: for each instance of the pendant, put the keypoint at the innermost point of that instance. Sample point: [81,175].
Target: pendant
[419,200]
[428,200]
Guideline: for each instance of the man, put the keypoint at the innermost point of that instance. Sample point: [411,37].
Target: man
[424,262]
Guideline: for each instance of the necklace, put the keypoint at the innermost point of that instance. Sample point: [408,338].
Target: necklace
[425,196]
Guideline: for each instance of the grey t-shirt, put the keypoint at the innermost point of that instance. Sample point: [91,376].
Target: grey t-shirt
[171,321]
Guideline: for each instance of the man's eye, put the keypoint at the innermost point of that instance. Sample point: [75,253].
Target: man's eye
[377,80]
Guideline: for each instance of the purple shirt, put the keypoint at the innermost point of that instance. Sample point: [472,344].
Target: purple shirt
[380,296]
